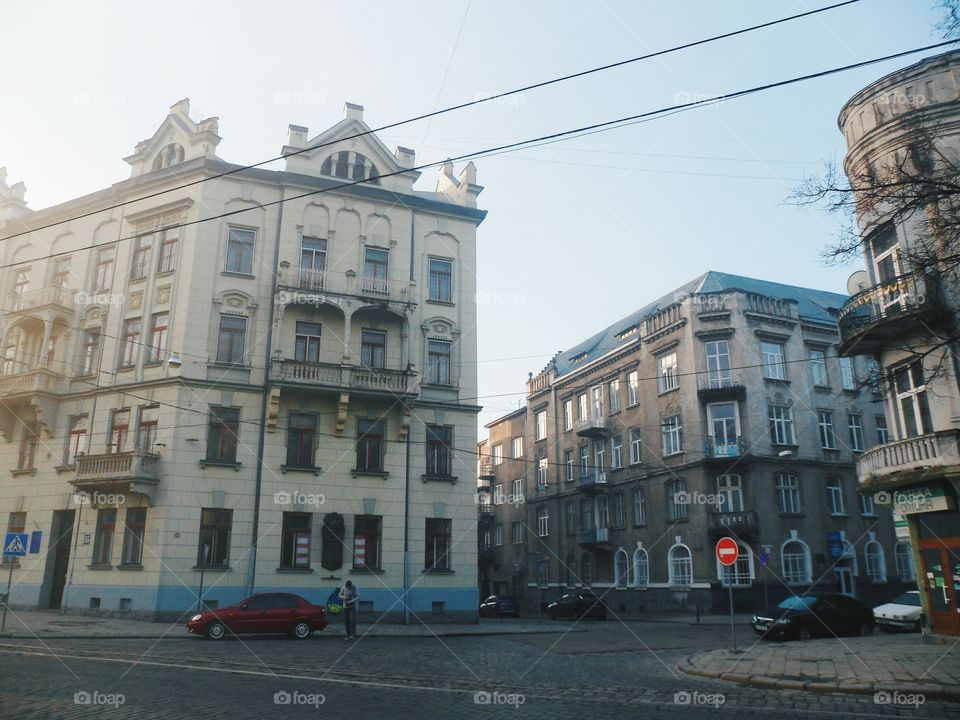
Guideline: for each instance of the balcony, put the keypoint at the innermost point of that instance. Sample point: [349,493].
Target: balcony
[28,383]
[343,378]
[596,538]
[319,283]
[485,470]
[593,482]
[593,426]
[53,296]
[118,473]
[740,524]
[723,449]
[883,315]
[902,460]
[721,386]
[485,510]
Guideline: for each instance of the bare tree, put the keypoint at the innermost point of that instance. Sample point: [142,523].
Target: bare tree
[950,25]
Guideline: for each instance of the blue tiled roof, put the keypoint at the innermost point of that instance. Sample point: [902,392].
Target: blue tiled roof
[817,306]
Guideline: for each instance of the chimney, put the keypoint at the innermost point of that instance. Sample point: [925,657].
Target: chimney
[297,136]
[353,112]
[405,157]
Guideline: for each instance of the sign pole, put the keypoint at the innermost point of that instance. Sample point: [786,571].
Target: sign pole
[733,627]
[6,599]
[727,553]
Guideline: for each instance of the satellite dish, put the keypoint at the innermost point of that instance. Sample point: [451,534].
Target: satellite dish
[858,282]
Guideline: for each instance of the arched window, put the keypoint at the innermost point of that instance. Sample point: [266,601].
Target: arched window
[570,566]
[849,553]
[621,569]
[795,562]
[741,572]
[350,165]
[903,557]
[876,562]
[171,154]
[641,568]
[587,575]
[680,565]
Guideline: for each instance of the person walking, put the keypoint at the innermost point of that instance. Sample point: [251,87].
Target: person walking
[349,595]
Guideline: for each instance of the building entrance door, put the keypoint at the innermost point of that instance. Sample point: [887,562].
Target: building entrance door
[58,558]
[844,579]
[940,580]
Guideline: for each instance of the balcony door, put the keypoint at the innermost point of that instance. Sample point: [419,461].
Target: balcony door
[375,271]
[889,270]
[596,401]
[718,364]
[313,262]
[729,494]
[724,423]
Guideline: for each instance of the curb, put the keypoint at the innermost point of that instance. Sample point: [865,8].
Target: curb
[193,636]
[932,692]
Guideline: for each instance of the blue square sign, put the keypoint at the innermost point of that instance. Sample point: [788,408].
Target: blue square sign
[15,544]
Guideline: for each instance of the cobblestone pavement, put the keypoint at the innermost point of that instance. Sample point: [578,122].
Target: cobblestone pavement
[609,670]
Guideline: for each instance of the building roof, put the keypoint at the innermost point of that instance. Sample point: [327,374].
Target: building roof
[817,306]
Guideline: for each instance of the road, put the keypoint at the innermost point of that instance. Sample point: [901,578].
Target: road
[614,670]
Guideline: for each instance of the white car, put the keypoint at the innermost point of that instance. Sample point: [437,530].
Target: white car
[902,613]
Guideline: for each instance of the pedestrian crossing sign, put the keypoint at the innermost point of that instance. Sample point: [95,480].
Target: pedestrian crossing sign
[15,544]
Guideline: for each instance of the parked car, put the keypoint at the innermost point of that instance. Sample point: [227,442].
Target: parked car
[499,606]
[578,605]
[261,613]
[901,613]
[803,617]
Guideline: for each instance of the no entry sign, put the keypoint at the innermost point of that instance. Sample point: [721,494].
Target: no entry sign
[727,551]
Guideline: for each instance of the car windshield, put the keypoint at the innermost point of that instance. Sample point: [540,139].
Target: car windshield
[908,598]
[797,603]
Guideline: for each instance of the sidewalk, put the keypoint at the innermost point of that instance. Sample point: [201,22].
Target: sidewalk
[888,666]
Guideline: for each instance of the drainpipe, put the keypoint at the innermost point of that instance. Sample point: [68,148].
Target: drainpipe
[406,475]
[265,403]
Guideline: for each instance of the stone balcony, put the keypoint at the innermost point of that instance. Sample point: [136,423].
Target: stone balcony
[118,473]
[34,301]
[315,283]
[742,523]
[593,426]
[344,378]
[595,538]
[593,482]
[910,460]
[722,385]
[27,383]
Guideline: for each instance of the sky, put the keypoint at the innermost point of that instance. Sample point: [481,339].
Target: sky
[579,233]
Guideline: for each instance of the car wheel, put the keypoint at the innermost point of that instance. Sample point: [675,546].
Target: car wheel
[216,630]
[803,633]
[864,629]
[301,630]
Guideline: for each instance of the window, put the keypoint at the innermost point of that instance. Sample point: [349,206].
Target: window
[641,568]
[570,568]
[295,540]
[373,348]
[568,465]
[586,515]
[78,438]
[781,424]
[103,276]
[567,415]
[867,508]
[774,361]
[639,507]
[29,439]
[516,532]
[912,404]
[876,563]
[903,557]
[619,509]
[587,571]
[616,452]
[635,446]
[147,428]
[61,272]
[438,535]
[119,430]
[848,374]
[596,402]
[543,522]
[103,538]
[835,497]
[668,378]
[795,562]
[307,342]
[730,493]
[517,489]
[633,388]
[584,461]
[582,406]
[213,549]
[825,426]
[158,337]
[883,435]
[130,342]
[724,428]
[598,453]
[621,569]
[818,367]
[603,512]
[233,331]
[672,429]
[21,281]
[133,534]
[788,493]
[90,350]
[741,572]
[718,364]
[498,534]
[542,466]
[440,450]
[614,396]
[541,424]
[516,447]
[240,245]
[497,454]
[676,492]
[140,262]
[16,523]
[855,425]
[680,565]
[438,362]
[367,541]
[498,498]
[301,440]
[441,280]
[570,517]
[375,265]
[370,445]
[222,434]
[168,250]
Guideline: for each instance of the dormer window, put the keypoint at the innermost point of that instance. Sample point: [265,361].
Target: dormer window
[172,154]
[349,165]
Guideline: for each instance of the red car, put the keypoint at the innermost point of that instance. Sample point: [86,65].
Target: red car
[262,613]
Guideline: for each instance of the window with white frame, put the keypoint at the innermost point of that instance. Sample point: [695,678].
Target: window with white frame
[614,390]
[582,406]
[729,493]
[541,424]
[718,363]
[912,405]
[876,563]
[668,376]
[788,493]
[621,569]
[835,497]
[774,360]
[603,512]
[497,454]
[672,430]
[781,424]
[598,453]
[633,388]
[498,534]
[517,489]
[848,374]
[828,440]
[883,435]
[639,507]
[677,500]
[818,367]
[567,415]
[542,468]
[855,425]
[516,448]
[680,566]
[568,465]
[584,461]
[543,522]
[795,563]
[903,557]
[636,446]
[240,249]
[498,498]
[867,507]
[619,509]
[641,568]
[616,452]
[596,401]
[741,572]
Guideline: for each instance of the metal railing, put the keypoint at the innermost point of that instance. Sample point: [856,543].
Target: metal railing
[725,448]
[719,380]
[342,376]
[740,521]
[886,300]
[343,283]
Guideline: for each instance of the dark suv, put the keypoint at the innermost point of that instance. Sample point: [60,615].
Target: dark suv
[499,606]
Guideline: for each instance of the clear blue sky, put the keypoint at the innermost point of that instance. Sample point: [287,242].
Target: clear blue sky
[579,233]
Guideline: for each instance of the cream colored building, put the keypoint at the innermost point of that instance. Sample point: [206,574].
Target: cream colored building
[201,373]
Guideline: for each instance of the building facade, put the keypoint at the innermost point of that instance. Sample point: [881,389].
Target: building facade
[904,129]
[721,409]
[259,380]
